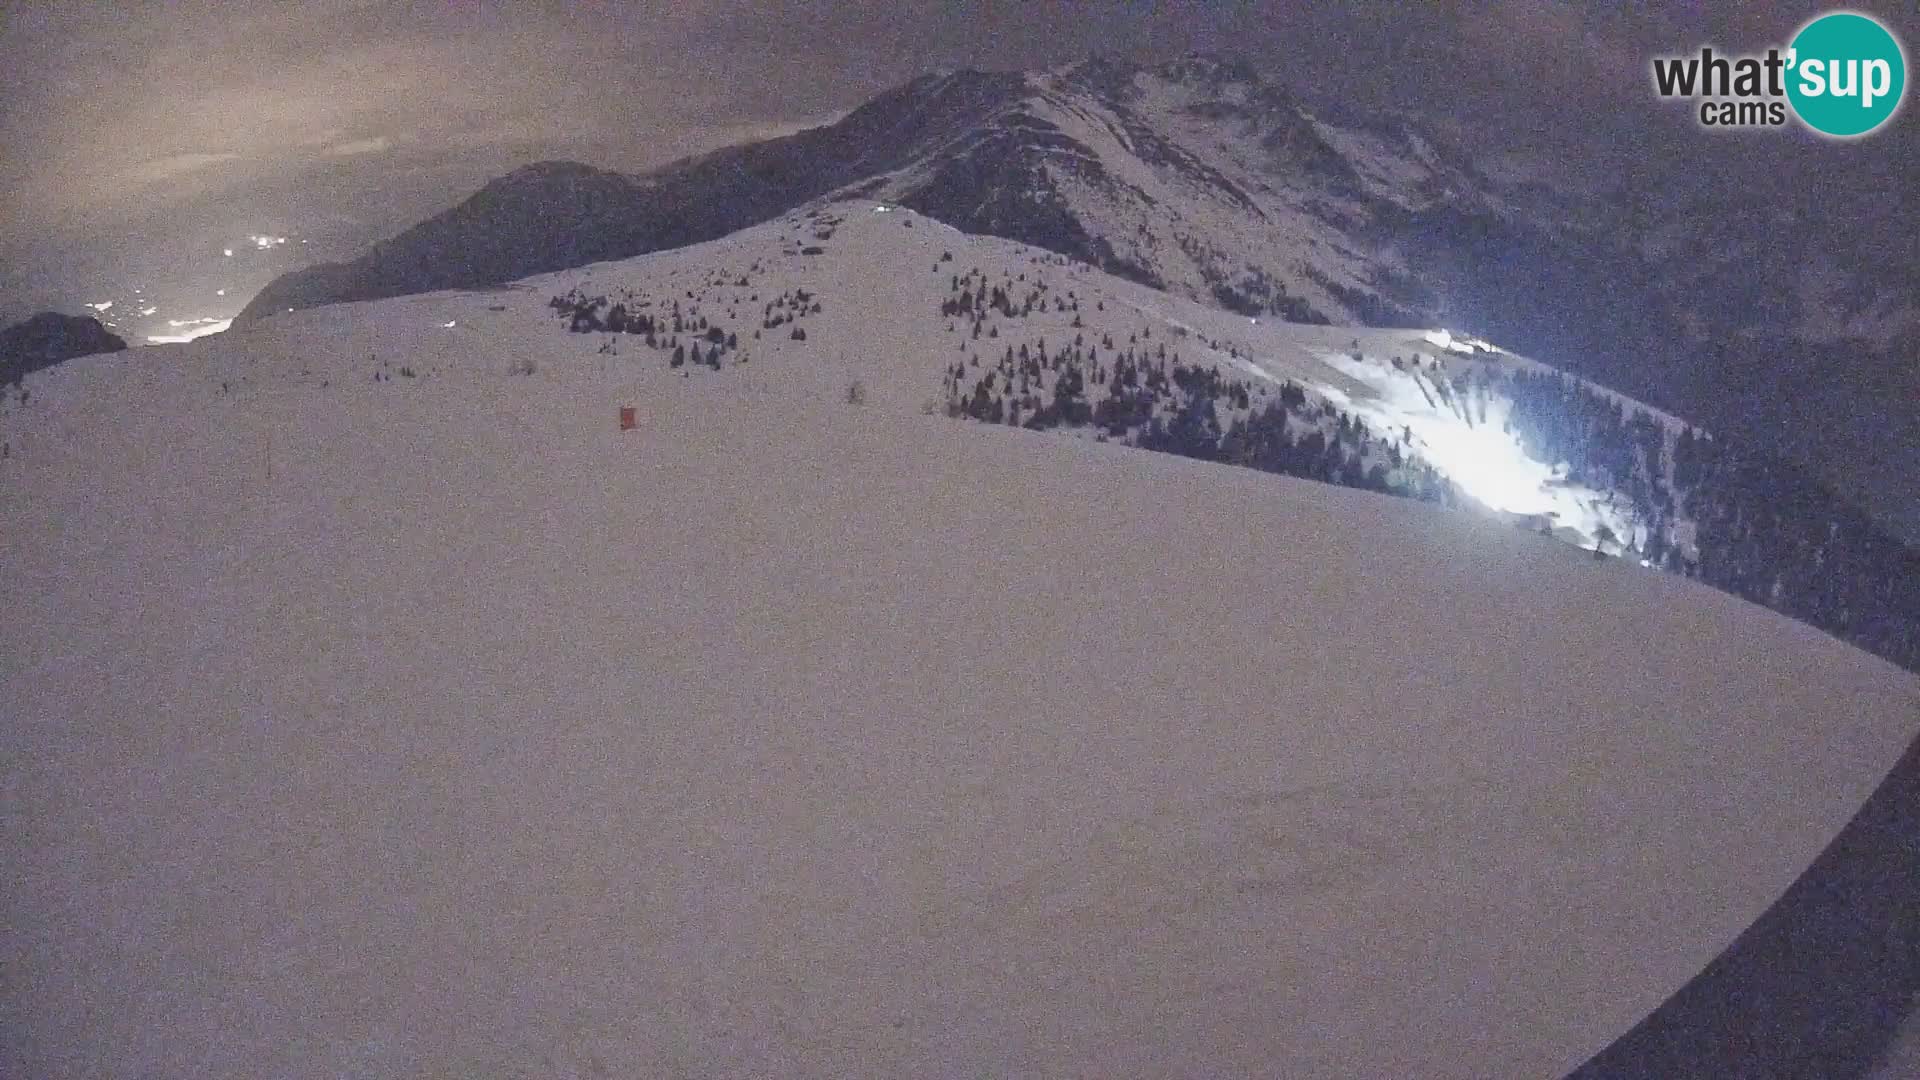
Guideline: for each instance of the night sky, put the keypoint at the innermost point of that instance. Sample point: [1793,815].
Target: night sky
[146,139]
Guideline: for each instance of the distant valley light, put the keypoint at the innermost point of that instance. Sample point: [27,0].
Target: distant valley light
[197,328]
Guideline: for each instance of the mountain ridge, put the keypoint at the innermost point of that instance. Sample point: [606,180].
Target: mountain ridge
[49,338]
[971,148]
[1199,177]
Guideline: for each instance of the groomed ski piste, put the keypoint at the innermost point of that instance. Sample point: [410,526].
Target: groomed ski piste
[377,707]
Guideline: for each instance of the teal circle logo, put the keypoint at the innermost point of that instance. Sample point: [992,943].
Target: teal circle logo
[1846,75]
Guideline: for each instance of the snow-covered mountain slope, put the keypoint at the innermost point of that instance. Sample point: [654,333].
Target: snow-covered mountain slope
[913,315]
[1414,412]
[1208,178]
[375,709]
[929,317]
[1204,177]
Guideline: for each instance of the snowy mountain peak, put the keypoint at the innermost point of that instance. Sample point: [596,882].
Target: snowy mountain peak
[1194,175]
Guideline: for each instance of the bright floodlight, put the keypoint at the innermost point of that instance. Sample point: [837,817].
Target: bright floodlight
[1486,463]
[1478,455]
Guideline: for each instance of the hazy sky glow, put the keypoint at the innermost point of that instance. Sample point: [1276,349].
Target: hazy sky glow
[116,115]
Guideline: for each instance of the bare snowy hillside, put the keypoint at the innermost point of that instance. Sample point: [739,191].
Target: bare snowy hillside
[925,316]
[1023,336]
[377,707]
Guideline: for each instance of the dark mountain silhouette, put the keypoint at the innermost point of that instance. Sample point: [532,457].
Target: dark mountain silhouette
[48,338]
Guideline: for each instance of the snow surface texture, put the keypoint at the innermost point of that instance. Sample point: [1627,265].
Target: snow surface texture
[428,724]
